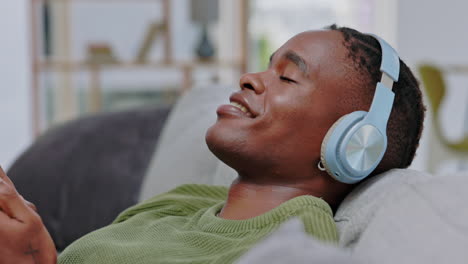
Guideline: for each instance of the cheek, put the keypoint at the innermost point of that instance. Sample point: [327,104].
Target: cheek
[295,111]
[288,119]
[300,120]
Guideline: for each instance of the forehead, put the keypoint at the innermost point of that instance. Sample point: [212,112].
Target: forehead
[321,50]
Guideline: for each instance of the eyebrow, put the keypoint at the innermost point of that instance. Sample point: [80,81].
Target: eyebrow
[271,57]
[296,59]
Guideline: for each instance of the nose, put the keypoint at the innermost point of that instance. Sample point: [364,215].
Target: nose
[252,81]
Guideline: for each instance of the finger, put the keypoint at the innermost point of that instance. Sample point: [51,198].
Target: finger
[5,177]
[5,225]
[4,218]
[8,180]
[29,204]
[12,204]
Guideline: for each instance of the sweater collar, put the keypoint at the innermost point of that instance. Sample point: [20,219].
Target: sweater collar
[209,222]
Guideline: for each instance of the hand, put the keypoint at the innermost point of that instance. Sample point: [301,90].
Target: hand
[23,237]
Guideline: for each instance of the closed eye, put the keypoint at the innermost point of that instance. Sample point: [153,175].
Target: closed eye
[286,79]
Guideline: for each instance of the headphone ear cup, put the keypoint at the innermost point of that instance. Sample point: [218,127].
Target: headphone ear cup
[335,134]
[324,144]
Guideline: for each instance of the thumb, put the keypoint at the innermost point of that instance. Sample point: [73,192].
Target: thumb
[5,177]
[11,202]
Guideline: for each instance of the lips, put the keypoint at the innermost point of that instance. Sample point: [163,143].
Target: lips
[242,103]
[242,108]
[238,107]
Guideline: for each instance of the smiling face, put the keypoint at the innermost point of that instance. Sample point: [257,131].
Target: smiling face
[275,124]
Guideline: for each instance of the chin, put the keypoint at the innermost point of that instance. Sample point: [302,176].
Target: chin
[226,146]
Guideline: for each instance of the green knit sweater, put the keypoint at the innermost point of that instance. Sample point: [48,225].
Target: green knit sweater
[181,226]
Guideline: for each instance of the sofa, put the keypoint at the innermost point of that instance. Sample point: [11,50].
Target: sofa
[401,216]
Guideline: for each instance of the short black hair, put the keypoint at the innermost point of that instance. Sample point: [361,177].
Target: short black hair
[405,124]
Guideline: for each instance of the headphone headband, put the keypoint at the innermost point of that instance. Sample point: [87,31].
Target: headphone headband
[390,64]
[382,103]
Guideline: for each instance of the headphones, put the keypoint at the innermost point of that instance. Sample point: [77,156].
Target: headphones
[356,143]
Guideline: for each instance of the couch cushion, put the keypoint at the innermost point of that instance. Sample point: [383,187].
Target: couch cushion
[426,222]
[182,155]
[357,211]
[291,244]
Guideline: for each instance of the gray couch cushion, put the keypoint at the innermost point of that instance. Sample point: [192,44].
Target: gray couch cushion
[290,244]
[357,211]
[424,222]
[182,155]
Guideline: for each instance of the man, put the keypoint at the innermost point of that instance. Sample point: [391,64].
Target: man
[271,134]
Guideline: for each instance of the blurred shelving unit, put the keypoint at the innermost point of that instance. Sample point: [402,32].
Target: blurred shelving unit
[59,60]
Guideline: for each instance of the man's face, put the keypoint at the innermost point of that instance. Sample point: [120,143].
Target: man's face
[276,123]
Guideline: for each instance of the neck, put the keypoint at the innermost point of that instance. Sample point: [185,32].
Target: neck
[248,199]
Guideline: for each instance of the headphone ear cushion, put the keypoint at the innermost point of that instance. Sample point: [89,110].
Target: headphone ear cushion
[344,123]
[325,141]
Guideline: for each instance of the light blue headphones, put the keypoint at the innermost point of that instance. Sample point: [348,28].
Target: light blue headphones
[356,143]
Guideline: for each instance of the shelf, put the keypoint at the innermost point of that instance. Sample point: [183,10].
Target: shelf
[80,65]
[92,1]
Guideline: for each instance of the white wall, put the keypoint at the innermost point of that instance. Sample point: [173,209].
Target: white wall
[15,124]
[433,29]
[436,31]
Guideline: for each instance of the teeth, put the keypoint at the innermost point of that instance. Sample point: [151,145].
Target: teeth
[241,107]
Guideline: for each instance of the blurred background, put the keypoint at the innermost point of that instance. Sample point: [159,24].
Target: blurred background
[64,59]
